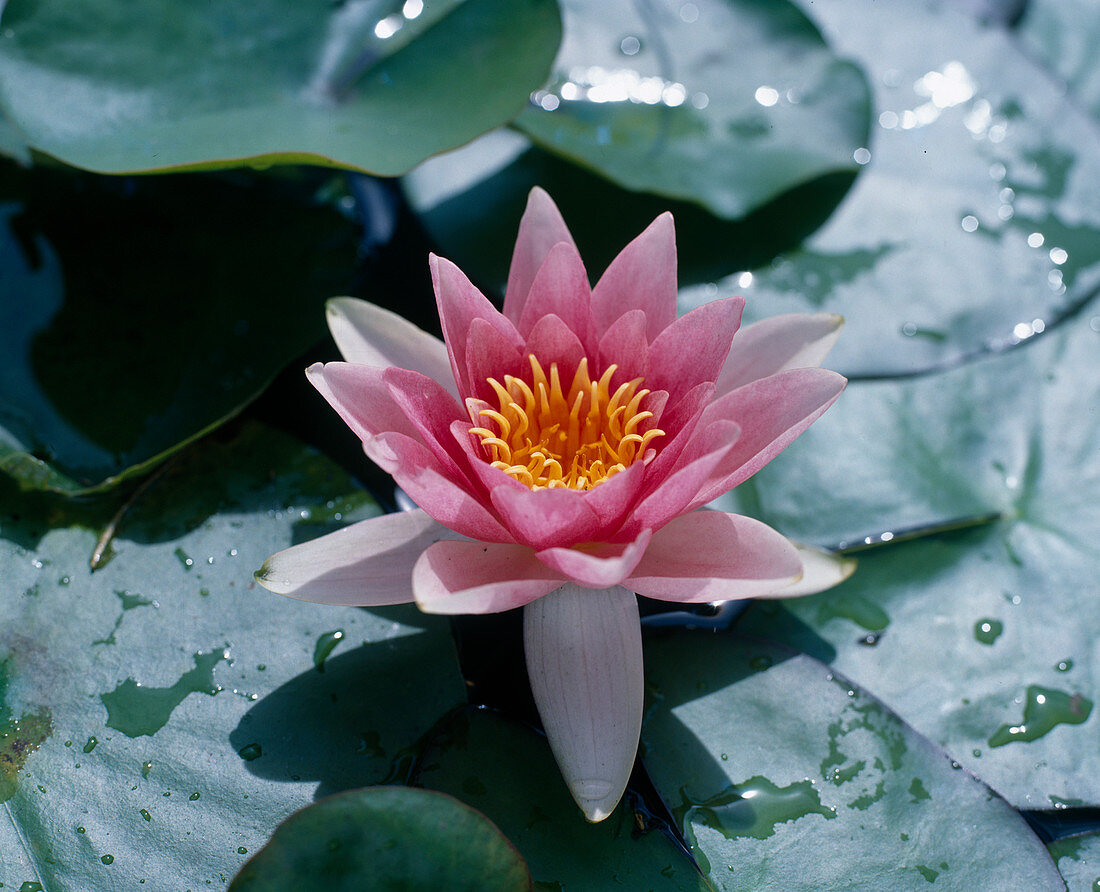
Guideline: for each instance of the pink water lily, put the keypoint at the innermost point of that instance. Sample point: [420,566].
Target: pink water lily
[561,454]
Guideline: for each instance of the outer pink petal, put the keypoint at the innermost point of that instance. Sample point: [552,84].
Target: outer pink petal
[479,577]
[773,345]
[541,228]
[367,564]
[771,413]
[547,518]
[561,289]
[694,347]
[741,558]
[679,422]
[369,335]
[673,495]
[360,396]
[597,566]
[642,277]
[418,472]
[459,304]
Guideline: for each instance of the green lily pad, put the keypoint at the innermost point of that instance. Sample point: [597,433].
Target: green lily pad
[1065,36]
[974,223]
[138,315]
[166,712]
[987,643]
[1078,859]
[505,770]
[400,838]
[375,87]
[724,103]
[784,775]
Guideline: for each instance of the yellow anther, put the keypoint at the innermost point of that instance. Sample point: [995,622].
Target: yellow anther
[547,437]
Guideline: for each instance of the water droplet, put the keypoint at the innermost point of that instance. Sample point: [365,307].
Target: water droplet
[997,171]
[753,808]
[870,639]
[145,814]
[1064,665]
[977,754]
[146,767]
[194,796]
[250,751]
[1058,256]
[241,850]
[700,100]
[689,13]
[90,745]
[969,223]
[888,120]
[108,859]
[80,830]
[766,96]
[988,630]
[630,45]
[184,559]
[1035,240]
[325,646]
[1044,709]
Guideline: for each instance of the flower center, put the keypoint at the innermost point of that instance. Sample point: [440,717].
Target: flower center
[546,436]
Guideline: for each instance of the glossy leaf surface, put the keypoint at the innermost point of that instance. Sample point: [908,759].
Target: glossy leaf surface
[371,86]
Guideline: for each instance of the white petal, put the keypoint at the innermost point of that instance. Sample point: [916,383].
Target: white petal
[584,661]
[776,344]
[367,564]
[821,570]
[370,335]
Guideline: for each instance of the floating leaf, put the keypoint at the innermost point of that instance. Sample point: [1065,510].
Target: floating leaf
[371,86]
[723,103]
[168,712]
[974,223]
[400,838]
[987,635]
[1065,35]
[786,776]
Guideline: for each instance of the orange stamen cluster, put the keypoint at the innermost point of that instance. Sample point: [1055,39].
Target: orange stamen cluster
[549,437]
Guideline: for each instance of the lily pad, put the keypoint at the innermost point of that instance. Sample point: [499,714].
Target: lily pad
[400,838]
[1065,36]
[370,86]
[974,223]
[169,713]
[505,770]
[139,314]
[1078,860]
[784,775]
[723,103]
[987,641]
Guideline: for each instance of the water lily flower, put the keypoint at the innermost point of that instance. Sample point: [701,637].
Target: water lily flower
[561,453]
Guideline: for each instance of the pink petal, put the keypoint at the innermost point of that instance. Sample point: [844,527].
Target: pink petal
[361,398]
[597,566]
[771,413]
[713,556]
[679,422]
[370,335]
[541,228]
[431,410]
[614,498]
[794,341]
[479,577]
[821,570]
[624,344]
[552,340]
[642,277]
[560,289]
[459,304]
[418,472]
[672,495]
[584,661]
[367,564]
[694,347]
[489,354]
[546,518]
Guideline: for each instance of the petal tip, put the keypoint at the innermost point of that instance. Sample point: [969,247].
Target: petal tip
[596,798]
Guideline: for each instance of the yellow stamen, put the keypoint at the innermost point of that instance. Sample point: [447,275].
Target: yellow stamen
[547,437]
